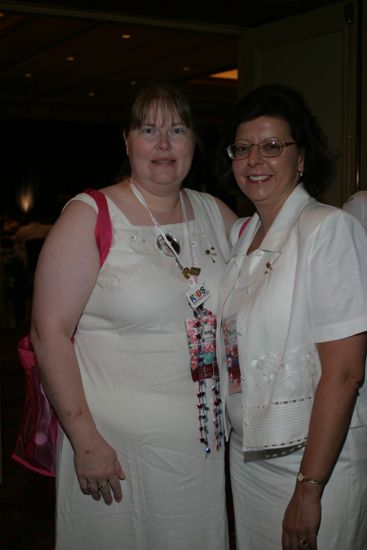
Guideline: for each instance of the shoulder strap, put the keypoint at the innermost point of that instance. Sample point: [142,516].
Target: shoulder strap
[243,226]
[103,231]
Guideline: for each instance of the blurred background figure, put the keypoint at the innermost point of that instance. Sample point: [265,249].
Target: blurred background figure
[20,244]
[11,274]
[28,241]
[9,223]
[357,206]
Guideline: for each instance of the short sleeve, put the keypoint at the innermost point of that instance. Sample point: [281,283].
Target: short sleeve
[83,197]
[337,278]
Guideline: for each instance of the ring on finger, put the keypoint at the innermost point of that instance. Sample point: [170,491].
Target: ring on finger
[302,542]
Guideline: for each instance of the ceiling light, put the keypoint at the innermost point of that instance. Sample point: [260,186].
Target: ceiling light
[133,82]
[230,75]
[92,94]
[70,58]
[28,75]
[125,36]
[185,69]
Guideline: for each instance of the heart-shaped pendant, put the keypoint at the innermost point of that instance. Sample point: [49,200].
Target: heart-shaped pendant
[193,271]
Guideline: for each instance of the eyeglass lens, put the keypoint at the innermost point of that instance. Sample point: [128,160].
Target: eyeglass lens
[268,148]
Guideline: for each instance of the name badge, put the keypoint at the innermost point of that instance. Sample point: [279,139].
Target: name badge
[233,365]
[201,340]
[197,295]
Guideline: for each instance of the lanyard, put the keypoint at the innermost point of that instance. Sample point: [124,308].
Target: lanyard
[190,273]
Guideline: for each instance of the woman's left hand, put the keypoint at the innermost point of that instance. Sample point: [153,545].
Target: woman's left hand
[302,518]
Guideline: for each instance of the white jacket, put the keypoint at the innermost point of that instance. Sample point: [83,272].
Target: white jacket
[307,283]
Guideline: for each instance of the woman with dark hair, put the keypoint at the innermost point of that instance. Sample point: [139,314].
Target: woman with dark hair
[356,205]
[293,309]
[283,102]
[140,462]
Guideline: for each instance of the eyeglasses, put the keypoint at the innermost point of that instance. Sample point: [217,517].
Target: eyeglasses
[268,148]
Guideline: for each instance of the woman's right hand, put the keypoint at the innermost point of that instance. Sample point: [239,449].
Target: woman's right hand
[99,471]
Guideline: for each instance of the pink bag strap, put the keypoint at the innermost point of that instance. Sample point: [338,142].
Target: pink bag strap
[243,226]
[103,231]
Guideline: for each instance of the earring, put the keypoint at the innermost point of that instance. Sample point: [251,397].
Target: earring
[300,172]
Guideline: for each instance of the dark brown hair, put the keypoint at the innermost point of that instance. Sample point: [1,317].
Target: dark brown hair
[288,104]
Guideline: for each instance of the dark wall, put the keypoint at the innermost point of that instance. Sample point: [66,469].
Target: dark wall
[57,159]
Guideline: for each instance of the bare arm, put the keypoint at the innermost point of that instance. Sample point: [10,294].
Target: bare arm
[343,364]
[66,274]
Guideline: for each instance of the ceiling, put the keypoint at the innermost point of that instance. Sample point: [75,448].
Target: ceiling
[70,60]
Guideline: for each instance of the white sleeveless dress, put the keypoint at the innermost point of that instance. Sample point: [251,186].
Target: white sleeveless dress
[132,350]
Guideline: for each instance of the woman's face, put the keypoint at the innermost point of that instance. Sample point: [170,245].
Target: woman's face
[161,150]
[267,182]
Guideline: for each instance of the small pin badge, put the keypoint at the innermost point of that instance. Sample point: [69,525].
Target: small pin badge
[212,253]
[269,268]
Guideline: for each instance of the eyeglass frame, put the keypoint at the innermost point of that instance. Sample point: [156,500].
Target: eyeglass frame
[258,145]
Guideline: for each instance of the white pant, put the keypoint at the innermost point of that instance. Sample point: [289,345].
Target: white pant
[262,489]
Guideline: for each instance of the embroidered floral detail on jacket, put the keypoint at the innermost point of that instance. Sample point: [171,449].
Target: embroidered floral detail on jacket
[280,378]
